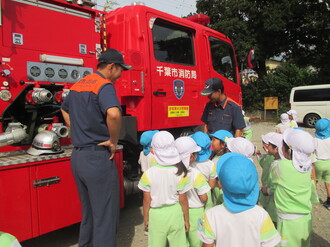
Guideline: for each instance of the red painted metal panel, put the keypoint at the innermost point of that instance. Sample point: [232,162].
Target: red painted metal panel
[58,204]
[15,203]
[120,168]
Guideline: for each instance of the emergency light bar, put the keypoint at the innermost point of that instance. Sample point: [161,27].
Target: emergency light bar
[61,60]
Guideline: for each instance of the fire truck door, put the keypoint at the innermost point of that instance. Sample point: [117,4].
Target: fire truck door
[173,74]
[223,65]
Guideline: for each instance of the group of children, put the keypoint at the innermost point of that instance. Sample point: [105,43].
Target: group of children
[203,190]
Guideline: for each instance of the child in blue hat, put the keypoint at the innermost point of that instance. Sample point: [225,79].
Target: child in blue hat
[203,163]
[219,147]
[322,153]
[146,156]
[238,221]
[219,143]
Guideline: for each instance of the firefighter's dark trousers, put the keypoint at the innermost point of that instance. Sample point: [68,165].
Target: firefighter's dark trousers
[97,182]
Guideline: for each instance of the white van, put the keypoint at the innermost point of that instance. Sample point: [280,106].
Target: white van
[311,103]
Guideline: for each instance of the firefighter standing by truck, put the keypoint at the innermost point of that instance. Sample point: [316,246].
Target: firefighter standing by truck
[93,111]
[221,112]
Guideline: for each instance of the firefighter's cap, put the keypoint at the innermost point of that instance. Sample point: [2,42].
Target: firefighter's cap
[114,56]
[212,85]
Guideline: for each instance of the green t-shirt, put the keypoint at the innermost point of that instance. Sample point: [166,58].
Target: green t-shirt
[265,162]
[293,189]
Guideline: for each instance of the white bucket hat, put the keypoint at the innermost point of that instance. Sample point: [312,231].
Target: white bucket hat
[277,140]
[302,145]
[241,145]
[284,118]
[164,150]
[292,113]
[265,138]
[186,146]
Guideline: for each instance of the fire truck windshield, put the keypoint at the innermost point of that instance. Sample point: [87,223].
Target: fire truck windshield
[172,43]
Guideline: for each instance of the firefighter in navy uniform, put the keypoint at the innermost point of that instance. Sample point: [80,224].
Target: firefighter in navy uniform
[221,112]
[93,112]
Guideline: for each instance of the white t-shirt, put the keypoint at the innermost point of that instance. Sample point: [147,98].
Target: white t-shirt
[145,161]
[322,148]
[249,228]
[216,159]
[207,167]
[200,187]
[164,185]
[282,127]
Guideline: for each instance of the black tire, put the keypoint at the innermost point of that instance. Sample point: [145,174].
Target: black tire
[310,120]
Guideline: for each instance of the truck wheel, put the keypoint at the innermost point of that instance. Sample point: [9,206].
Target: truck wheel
[310,120]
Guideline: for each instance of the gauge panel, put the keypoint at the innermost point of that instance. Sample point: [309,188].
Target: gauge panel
[56,72]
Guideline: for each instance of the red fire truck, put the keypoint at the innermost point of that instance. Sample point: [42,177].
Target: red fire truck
[45,47]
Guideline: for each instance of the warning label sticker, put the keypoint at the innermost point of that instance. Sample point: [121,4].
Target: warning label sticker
[178,111]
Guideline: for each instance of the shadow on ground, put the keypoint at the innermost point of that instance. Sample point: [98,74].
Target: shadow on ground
[130,217]
[318,241]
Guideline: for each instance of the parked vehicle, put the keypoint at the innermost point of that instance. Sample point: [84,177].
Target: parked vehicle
[311,103]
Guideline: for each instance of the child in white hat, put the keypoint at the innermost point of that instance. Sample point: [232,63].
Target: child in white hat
[293,118]
[242,146]
[275,143]
[238,221]
[146,156]
[165,186]
[219,147]
[291,178]
[197,196]
[204,164]
[285,124]
[265,161]
[322,153]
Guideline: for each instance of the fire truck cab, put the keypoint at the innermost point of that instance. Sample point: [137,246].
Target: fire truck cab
[172,58]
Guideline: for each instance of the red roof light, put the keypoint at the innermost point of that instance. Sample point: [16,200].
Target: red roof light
[200,19]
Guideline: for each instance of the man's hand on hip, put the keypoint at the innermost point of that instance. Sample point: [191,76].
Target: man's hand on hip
[111,147]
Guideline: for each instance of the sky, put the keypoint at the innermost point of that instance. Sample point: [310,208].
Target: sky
[178,8]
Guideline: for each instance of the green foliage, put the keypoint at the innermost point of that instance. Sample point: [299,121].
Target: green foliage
[109,5]
[277,84]
[299,29]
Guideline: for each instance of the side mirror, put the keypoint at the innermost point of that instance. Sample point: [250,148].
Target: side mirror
[251,61]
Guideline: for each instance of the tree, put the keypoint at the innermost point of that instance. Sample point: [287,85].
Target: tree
[276,84]
[295,29]
[109,5]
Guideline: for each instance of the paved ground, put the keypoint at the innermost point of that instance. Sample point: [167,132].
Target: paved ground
[130,232]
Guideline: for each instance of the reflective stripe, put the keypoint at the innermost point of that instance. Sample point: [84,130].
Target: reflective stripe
[284,216]
[90,83]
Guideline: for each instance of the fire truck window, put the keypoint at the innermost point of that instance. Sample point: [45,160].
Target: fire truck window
[223,58]
[173,44]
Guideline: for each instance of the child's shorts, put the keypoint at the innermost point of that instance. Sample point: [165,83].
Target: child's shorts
[322,168]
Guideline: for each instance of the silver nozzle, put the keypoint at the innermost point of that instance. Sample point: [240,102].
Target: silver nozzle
[41,96]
